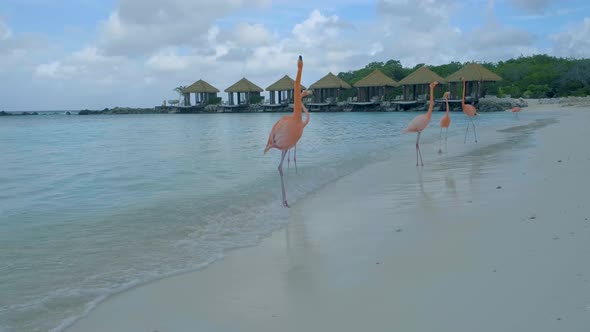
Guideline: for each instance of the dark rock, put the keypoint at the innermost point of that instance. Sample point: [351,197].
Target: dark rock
[499,187]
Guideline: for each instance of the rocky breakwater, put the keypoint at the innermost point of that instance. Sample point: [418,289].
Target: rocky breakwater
[494,104]
[567,101]
[4,113]
[122,110]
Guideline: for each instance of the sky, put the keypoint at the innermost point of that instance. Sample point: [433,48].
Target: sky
[92,54]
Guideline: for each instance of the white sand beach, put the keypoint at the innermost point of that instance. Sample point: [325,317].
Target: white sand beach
[493,236]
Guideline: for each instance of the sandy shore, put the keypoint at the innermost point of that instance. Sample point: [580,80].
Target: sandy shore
[487,237]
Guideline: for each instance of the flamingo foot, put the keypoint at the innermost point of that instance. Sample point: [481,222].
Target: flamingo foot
[285,204]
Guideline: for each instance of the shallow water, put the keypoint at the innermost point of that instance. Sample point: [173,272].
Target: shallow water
[93,205]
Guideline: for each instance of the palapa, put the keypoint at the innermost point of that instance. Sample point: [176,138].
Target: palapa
[200,86]
[474,72]
[330,81]
[284,84]
[376,79]
[422,75]
[244,85]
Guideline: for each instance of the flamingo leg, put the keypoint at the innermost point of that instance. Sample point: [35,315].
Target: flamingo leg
[440,141]
[288,159]
[466,130]
[418,153]
[283,154]
[295,158]
[474,133]
[446,136]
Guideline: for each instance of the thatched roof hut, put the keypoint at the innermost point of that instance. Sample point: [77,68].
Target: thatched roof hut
[200,86]
[475,75]
[203,91]
[328,86]
[285,83]
[376,84]
[245,87]
[417,83]
[474,72]
[284,87]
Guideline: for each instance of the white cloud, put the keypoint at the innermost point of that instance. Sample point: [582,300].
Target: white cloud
[253,34]
[85,64]
[167,61]
[573,41]
[317,29]
[139,27]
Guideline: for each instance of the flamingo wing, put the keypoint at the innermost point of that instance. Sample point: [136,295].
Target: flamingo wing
[469,110]
[285,133]
[418,123]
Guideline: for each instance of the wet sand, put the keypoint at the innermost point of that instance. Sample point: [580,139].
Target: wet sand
[486,237]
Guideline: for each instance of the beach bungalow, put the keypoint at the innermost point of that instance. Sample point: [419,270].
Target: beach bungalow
[281,91]
[204,92]
[416,84]
[475,76]
[328,88]
[243,88]
[374,86]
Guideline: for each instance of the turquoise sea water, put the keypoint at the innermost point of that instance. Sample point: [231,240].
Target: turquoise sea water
[93,205]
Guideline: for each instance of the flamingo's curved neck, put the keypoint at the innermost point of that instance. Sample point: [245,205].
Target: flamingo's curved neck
[447,102]
[431,104]
[463,99]
[297,102]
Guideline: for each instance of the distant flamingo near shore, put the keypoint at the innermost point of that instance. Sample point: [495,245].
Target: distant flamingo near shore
[304,94]
[420,122]
[288,130]
[470,111]
[515,110]
[445,122]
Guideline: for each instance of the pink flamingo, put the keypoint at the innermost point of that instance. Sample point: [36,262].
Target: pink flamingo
[515,110]
[445,122]
[288,130]
[470,111]
[420,122]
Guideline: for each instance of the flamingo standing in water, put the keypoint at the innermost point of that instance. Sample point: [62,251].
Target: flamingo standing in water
[420,122]
[515,110]
[304,94]
[288,130]
[445,122]
[470,111]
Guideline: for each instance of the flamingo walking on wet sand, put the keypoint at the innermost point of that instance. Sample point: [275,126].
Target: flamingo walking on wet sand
[420,122]
[445,122]
[470,111]
[288,130]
